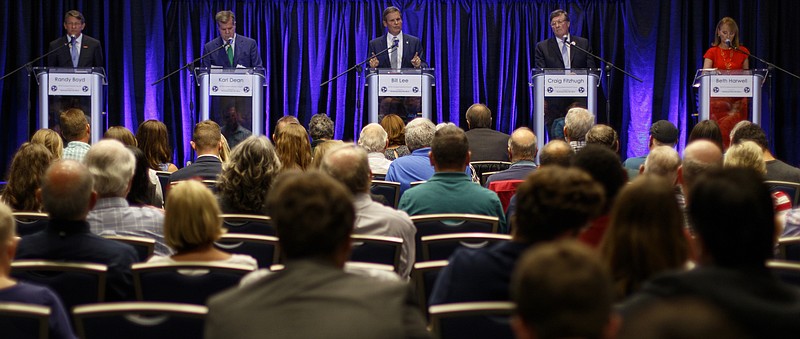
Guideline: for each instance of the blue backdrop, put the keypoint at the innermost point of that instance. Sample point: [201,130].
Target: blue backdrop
[482,52]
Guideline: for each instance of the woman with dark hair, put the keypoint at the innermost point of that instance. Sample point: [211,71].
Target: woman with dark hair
[396,129]
[645,234]
[152,138]
[24,177]
[245,180]
[144,192]
[293,147]
[709,130]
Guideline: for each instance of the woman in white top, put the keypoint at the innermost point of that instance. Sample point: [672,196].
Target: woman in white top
[192,224]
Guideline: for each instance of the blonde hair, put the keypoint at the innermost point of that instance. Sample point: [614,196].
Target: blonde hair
[322,150]
[225,150]
[8,226]
[192,218]
[51,140]
[121,134]
[746,154]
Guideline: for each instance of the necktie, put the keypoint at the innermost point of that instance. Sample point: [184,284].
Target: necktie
[230,54]
[565,54]
[393,55]
[75,52]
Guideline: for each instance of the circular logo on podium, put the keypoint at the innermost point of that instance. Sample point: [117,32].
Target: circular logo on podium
[550,89]
[384,89]
[246,89]
[54,88]
[581,89]
[716,89]
[747,89]
[214,88]
[415,89]
[85,88]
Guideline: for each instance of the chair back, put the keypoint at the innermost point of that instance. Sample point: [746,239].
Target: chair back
[791,189]
[472,320]
[129,320]
[75,283]
[440,247]
[144,246]
[264,248]
[485,176]
[788,272]
[163,179]
[388,189]
[416,183]
[211,184]
[423,277]
[376,249]
[481,167]
[436,224]
[789,249]
[505,189]
[248,224]
[184,282]
[18,320]
[378,176]
[30,222]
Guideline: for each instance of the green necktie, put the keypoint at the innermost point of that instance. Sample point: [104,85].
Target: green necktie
[230,54]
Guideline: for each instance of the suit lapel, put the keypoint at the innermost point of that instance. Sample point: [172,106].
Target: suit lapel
[555,51]
[237,46]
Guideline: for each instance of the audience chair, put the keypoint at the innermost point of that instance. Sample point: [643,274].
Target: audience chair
[417,183]
[481,167]
[30,222]
[388,189]
[248,224]
[376,249]
[144,246]
[789,249]
[472,320]
[788,272]
[378,176]
[440,247]
[18,320]
[792,189]
[129,320]
[264,248]
[163,179]
[485,176]
[211,184]
[423,277]
[75,283]
[184,282]
[436,224]
[505,189]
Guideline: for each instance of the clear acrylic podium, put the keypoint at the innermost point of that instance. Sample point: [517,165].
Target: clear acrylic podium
[84,85]
[411,87]
[552,83]
[716,83]
[222,87]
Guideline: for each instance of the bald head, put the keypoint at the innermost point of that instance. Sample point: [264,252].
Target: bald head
[556,152]
[699,157]
[348,165]
[522,145]
[479,116]
[66,191]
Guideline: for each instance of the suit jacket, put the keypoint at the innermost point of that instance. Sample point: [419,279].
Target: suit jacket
[487,144]
[549,56]
[311,299]
[206,168]
[411,46]
[245,53]
[91,53]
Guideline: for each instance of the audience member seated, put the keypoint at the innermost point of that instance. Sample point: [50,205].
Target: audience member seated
[248,176]
[121,134]
[604,167]
[193,223]
[682,318]
[22,292]
[555,152]
[293,148]
[603,135]
[375,140]
[485,144]
[699,157]
[776,170]
[24,177]
[314,217]
[75,130]
[396,129]
[322,150]
[151,138]
[320,128]
[349,165]
[747,154]
[449,190]
[562,291]
[50,140]
[662,133]
[645,235]
[732,212]
[576,124]
[707,130]
[67,196]
[281,123]
[112,167]
[554,203]
[207,142]
[522,152]
[145,187]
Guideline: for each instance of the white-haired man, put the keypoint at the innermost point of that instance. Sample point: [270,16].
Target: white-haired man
[374,140]
[576,124]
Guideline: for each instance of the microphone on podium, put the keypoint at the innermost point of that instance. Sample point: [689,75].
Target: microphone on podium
[565,39]
[728,42]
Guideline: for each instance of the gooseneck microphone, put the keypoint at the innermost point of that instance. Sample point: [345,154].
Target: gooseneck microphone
[728,42]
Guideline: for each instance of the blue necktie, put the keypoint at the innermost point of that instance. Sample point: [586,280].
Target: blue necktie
[565,54]
[75,52]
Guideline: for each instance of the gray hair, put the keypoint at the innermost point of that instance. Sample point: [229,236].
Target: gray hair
[348,165]
[373,138]
[663,161]
[112,166]
[66,190]
[320,127]
[419,133]
[577,123]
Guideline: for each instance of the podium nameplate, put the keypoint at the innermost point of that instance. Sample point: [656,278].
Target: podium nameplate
[69,84]
[230,85]
[571,85]
[732,86]
[400,85]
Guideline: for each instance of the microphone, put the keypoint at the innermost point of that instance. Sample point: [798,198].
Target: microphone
[395,42]
[565,39]
[229,42]
[728,42]
[72,40]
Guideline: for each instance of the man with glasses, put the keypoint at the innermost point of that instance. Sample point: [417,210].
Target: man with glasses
[76,49]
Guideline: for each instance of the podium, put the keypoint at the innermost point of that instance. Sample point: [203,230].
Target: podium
[407,92]
[554,86]
[81,85]
[716,84]
[241,88]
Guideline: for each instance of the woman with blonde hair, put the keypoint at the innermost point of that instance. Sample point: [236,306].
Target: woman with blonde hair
[324,148]
[192,224]
[24,177]
[121,134]
[294,149]
[246,179]
[50,139]
[396,129]
[152,139]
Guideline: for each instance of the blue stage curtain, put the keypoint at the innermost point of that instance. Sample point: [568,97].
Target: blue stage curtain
[482,51]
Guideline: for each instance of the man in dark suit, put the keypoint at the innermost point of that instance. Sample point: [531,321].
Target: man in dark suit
[206,141]
[76,49]
[408,53]
[238,51]
[485,143]
[313,297]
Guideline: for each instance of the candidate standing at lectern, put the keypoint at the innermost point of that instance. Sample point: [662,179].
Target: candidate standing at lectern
[555,53]
[408,53]
[239,50]
[77,49]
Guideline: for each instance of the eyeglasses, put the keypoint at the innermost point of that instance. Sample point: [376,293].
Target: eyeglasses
[73,23]
[557,23]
